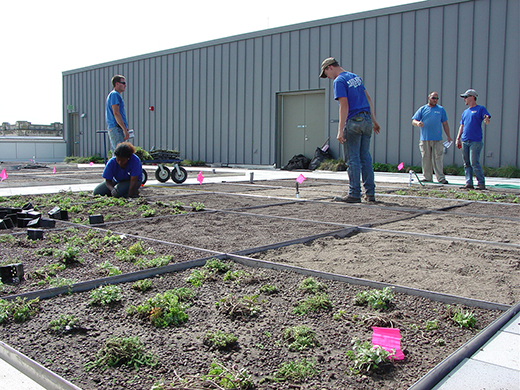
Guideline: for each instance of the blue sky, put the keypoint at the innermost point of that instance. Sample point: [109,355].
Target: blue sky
[41,39]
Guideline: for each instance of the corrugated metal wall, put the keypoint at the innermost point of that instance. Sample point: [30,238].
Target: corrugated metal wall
[216,101]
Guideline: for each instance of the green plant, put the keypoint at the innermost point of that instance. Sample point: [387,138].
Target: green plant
[300,337]
[108,269]
[296,370]
[239,307]
[117,351]
[164,309]
[367,357]
[198,276]
[465,319]
[160,261]
[268,289]
[432,325]
[313,303]
[20,310]
[376,299]
[142,285]
[339,315]
[64,323]
[310,285]
[235,276]
[69,255]
[197,206]
[220,340]
[105,295]
[218,265]
[229,377]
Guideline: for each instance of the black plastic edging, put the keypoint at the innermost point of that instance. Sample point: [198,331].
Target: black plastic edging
[45,378]
[434,296]
[441,370]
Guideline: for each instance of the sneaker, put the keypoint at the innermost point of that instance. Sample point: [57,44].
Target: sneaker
[467,187]
[444,181]
[481,187]
[370,198]
[346,199]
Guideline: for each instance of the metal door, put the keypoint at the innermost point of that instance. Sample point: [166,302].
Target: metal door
[73,135]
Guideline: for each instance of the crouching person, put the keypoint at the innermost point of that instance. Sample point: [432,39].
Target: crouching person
[123,173]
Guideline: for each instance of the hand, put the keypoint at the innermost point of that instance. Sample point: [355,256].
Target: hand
[486,119]
[420,124]
[340,137]
[376,127]
[459,144]
[450,139]
[114,192]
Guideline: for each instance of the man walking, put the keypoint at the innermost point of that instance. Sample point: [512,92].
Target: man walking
[115,114]
[356,122]
[432,119]
[470,138]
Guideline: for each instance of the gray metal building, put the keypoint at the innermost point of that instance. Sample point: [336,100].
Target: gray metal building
[256,99]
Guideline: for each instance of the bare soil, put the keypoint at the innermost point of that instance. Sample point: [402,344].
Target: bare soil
[448,245]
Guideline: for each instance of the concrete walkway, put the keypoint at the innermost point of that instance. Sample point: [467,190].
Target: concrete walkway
[495,366]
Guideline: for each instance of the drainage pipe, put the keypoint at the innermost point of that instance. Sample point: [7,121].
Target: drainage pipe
[441,370]
[39,374]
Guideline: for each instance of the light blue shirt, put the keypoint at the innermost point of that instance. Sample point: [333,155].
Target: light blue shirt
[432,118]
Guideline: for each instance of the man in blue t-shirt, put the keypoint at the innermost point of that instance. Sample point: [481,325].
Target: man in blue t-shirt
[432,119]
[470,138]
[356,123]
[115,114]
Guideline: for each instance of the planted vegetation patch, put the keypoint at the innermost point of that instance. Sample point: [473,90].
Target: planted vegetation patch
[77,254]
[255,328]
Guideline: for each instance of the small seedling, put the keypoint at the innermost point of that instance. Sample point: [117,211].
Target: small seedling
[142,285]
[197,206]
[268,289]
[432,325]
[20,310]
[198,276]
[220,340]
[239,307]
[160,261]
[119,351]
[296,371]
[340,314]
[465,319]
[235,276]
[229,377]
[300,337]
[105,295]
[108,269]
[367,357]
[313,303]
[376,299]
[218,265]
[164,309]
[64,323]
[311,286]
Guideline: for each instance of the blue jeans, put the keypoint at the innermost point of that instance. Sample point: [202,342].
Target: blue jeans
[471,156]
[116,136]
[358,132]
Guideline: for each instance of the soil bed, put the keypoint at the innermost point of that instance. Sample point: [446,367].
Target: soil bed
[261,349]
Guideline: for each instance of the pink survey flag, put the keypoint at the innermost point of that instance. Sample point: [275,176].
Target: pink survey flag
[388,339]
[301,178]
[91,163]
[54,171]
[400,166]
[200,178]
[3,175]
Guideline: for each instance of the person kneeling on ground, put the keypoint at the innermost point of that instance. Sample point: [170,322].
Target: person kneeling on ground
[123,173]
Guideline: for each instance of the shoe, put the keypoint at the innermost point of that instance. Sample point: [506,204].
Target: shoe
[346,199]
[467,187]
[370,198]
[427,181]
[481,187]
[444,181]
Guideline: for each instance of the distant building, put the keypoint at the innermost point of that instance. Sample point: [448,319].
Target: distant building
[24,141]
[257,99]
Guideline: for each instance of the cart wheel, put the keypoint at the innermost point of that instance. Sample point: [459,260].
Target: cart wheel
[162,174]
[179,178]
[145,177]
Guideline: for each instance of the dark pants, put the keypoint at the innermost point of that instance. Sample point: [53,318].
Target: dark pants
[122,188]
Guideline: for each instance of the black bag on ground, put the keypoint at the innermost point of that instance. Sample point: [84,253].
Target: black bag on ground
[297,162]
[319,157]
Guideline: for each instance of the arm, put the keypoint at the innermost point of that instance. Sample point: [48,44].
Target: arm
[375,125]
[417,123]
[119,120]
[111,187]
[132,189]
[446,128]
[459,143]
[343,114]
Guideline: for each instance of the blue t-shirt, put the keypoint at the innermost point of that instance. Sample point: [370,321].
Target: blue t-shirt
[472,118]
[114,172]
[115,97]
[351,86]
[433,118]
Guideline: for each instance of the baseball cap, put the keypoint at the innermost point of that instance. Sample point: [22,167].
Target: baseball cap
[326,62]
[469,92]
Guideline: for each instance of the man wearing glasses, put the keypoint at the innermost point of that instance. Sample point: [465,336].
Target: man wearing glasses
[115,113]
[470,138]
[432,119]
